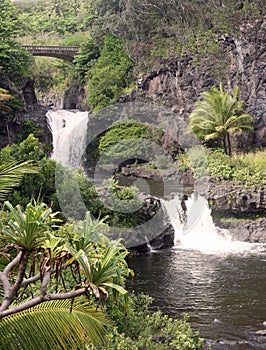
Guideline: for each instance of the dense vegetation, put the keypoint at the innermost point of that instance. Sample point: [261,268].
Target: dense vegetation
[54,273]
[67,281]
[121,39]
[249,169]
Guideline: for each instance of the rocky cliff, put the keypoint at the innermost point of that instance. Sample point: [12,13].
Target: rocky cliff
[235,60]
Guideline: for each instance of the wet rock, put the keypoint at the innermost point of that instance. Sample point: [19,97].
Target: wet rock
[246,231]
[148,238]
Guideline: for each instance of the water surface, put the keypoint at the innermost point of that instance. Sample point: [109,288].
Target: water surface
[224,294]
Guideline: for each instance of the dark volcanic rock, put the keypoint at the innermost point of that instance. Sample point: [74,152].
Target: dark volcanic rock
[239,61]
[246,231]
[149,239]
[236,198]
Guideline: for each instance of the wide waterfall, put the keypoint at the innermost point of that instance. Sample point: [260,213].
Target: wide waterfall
[69,130]
[195,229]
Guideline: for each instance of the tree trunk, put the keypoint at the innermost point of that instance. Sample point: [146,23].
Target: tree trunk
[224,144]
[228,144]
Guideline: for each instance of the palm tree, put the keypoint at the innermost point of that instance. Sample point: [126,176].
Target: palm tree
[218,115]
[59,324]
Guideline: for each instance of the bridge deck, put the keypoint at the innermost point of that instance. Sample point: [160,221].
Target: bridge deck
[65,52]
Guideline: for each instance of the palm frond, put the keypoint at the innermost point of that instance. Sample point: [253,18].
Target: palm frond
[11,175]
[218,114]
[54,325]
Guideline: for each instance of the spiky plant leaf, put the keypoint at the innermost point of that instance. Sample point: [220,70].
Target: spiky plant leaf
[54,325]
[11,174]
[29,228]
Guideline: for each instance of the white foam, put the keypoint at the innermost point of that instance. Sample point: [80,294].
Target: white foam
[194,228]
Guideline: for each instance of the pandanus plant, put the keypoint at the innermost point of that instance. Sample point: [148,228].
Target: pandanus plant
[50,282]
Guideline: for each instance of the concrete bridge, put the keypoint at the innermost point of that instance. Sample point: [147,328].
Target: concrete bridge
[67,53]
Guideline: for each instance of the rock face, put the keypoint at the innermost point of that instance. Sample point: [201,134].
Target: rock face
[12,125]
[164,238]
[9,129]
[239,203]
[163,241]
[246,231]
[236,198]
[72,98]
[238,61]
[38,115]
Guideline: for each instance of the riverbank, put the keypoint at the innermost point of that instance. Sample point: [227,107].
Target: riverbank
[239,208]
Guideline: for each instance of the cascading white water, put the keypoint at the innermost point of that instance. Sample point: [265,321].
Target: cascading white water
[194,227]
[69,130]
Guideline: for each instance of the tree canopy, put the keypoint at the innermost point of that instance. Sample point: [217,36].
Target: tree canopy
[218,115]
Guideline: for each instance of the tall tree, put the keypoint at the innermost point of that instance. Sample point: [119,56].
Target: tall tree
[8,23]
[218,115]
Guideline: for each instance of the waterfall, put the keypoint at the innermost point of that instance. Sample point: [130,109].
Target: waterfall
[69,130]
[194,227]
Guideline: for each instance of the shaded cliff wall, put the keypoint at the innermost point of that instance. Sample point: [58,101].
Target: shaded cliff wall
[235,60]
[11,125]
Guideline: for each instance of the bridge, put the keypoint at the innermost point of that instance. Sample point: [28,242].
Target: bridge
[67,53]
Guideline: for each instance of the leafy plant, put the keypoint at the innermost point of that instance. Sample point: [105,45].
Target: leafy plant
[218,115]
[11,175]
[44,275]
[58,324]
[126,140]
[141,328]
[110,75]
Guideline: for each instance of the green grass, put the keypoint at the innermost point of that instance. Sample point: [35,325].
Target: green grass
[247,168]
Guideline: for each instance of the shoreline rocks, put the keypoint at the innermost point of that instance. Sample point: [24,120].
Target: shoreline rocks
[246,231]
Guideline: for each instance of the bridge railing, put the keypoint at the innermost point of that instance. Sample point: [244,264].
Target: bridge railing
[52,48]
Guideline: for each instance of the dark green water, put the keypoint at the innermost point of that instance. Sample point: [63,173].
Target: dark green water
[224,294]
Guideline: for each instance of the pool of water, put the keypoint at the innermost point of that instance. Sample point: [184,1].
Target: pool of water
[223,293]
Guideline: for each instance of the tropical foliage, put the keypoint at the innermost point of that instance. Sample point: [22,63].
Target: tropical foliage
[57,324]
[125,139]
[69,272]
[247,168]
[13,60]
[142,329]
[41,184]
[140,33]
[11,175]
[110,75]
[218,115]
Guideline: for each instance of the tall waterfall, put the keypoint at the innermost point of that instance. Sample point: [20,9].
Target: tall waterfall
[69,130]
[194,227]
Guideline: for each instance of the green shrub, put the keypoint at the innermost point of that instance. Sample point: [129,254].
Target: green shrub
[219,164]
[110,75]
[122,141]
[249,168]
[142,329]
